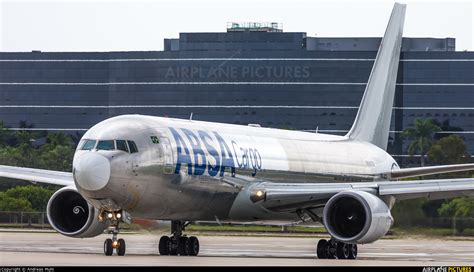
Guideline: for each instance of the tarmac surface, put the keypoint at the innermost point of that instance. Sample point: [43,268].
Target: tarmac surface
[53,249]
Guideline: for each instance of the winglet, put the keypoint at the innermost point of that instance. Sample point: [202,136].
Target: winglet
[372,122]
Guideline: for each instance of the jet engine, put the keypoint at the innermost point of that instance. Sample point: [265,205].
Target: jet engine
[356,217]
[70,214]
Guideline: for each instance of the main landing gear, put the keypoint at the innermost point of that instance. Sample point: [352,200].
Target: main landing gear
[333,249]
[110,244]
[178,243]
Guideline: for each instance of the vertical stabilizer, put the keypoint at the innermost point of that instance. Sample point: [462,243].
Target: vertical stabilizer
[372,123]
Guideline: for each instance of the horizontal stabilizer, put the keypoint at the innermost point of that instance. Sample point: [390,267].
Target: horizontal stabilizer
[429,170]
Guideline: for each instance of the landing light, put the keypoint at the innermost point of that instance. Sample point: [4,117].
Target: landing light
[119,215]
[110,215]
[258,195]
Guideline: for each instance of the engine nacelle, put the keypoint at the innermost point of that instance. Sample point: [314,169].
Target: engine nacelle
[357,217]
[70,214]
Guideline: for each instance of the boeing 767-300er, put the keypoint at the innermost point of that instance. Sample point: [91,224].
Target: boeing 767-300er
[135,166]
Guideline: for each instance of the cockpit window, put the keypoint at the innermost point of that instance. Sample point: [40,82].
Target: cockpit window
[122,145]
[132,146]
[88,144]
[106,145]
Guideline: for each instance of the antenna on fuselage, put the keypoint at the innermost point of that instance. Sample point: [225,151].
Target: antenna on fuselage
[191,117]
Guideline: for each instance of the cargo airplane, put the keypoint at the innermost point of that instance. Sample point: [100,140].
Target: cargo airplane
[136,166]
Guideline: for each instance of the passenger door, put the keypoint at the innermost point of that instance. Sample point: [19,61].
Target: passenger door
[167,155]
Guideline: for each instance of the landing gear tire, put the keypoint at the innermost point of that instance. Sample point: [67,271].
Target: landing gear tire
[121,247]
[173,246]
[352,252]
[183,245]
[322,249]
[164,245]
[108,247]
[178,243]
[342,250]
[332,249]
[193,246]
[113,219]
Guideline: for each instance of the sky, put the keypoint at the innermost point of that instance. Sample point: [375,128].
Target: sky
[141,25]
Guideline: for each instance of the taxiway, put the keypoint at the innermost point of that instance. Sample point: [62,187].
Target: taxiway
[53,249]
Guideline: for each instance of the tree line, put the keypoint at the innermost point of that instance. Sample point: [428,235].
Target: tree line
[35,149]
[436,149]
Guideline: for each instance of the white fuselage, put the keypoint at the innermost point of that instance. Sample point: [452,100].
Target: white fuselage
[182,167]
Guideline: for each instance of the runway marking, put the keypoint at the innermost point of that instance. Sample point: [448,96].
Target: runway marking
[53,249]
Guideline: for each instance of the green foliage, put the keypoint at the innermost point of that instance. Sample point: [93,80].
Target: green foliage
[430,207]
[455,215]
[24,149]
[23,156]
[6,136]
[57,139]
[422,135]
[462,207]
[36,196]
[6,183]
[56,154]
[448,150]
[11,204]
[409,213]
[56,158]
[458,207]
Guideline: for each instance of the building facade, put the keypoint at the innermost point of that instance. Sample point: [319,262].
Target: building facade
[275,79]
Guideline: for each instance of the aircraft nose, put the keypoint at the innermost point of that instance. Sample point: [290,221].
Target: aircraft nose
[91,171]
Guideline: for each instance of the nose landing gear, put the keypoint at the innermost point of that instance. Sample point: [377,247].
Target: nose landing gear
[110,244]
[178,243]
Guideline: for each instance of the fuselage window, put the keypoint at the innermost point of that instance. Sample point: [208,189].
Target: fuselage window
[122,145]
[106,145]
[132,146]
[88,144]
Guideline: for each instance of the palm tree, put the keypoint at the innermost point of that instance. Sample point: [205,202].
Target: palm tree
[422,134]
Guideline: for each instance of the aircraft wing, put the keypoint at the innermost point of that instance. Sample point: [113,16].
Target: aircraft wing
[37,175]
[292,196]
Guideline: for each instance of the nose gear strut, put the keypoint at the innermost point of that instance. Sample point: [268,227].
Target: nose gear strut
[114,217]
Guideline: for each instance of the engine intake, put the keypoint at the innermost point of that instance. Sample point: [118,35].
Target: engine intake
[70,214]
[357,217]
